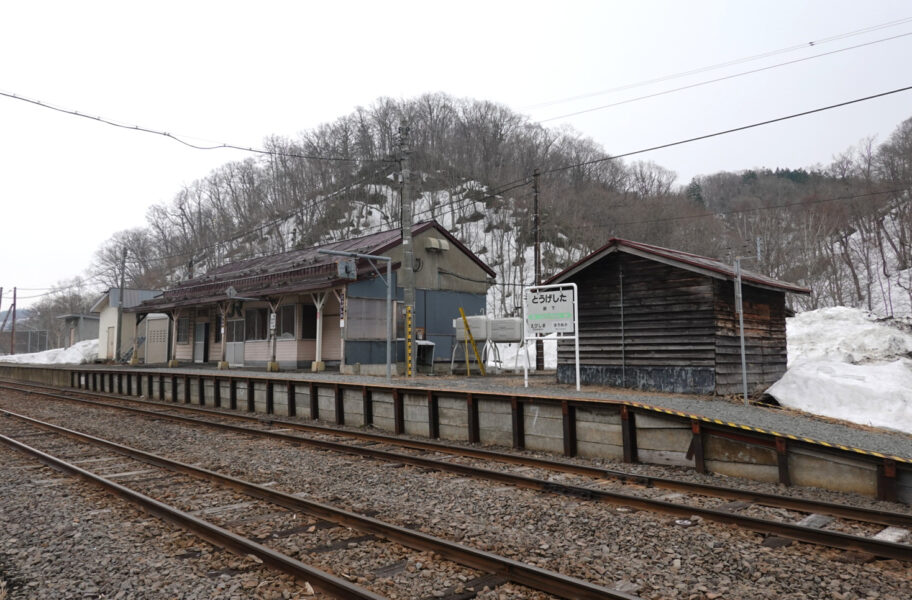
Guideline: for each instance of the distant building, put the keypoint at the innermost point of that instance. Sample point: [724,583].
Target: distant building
[323,318]
[106,308]
[79,328]
[28,339]
[653,318]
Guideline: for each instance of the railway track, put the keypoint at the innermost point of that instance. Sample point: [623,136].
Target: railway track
[278,525]
[779,517]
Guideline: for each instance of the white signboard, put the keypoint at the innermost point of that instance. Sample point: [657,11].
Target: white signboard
[549,310]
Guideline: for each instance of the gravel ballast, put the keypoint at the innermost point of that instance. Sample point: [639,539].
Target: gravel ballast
[640,552]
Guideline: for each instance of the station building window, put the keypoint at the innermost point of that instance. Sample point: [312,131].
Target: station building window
[256,323]
[285,322]
[183,330]
[309,322]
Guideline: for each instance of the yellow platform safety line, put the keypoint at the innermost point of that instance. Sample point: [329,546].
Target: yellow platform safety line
[470,338]
[789,436]
[408,341]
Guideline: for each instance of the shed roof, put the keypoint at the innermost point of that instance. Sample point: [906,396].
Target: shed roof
[290,272]
[677,258]
[132,297]
[94,317]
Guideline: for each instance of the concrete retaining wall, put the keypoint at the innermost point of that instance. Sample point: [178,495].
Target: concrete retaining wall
[595,429]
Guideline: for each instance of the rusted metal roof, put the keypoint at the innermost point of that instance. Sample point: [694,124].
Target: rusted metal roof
[132,298]
[684,260]
[289,272]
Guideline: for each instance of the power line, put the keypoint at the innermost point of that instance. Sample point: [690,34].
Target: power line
[178,139]
[272,223]
[724,78]
[727,131]
[729,63]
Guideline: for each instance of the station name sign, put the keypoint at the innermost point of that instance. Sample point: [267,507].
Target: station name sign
[549,310]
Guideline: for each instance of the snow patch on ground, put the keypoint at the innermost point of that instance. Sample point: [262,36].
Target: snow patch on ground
[847,364]
[77,354]
[846,335]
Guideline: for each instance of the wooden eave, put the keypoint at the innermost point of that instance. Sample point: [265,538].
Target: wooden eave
[681,260]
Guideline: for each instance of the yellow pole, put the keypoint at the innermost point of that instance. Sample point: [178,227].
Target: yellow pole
[471,338]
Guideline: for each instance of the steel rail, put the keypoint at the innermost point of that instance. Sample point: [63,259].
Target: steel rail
[775,500]
[515,571]
[801,533]
[212,533]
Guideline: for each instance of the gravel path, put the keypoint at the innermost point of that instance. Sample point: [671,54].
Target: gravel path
[771,419]
[640,552]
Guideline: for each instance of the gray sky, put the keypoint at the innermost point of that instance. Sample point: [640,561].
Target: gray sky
[236,72]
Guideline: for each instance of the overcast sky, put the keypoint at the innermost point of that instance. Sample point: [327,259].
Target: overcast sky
[232,72]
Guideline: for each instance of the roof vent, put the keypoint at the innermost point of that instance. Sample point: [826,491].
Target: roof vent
[436,245]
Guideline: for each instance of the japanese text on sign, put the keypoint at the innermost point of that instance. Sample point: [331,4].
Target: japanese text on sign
[549,311]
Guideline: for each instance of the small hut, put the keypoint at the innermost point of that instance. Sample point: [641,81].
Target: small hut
[657,319]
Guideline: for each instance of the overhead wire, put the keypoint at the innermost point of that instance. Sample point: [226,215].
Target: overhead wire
[729,63]
[180,139]
[723,78]
[314,202]
[726,131]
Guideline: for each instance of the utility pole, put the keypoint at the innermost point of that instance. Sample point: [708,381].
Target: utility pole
[739,306]
[536,227]
[120,303]
[408,259]
[13,331]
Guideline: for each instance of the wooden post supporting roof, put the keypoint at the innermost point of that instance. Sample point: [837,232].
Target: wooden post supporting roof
[319,299]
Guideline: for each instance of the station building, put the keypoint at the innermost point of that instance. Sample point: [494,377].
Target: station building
[79,327]
[653,318]
[132,333]
[323,318]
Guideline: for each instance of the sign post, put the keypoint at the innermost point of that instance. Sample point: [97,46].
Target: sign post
[551,309]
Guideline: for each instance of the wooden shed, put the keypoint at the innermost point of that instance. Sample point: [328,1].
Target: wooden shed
[652,318]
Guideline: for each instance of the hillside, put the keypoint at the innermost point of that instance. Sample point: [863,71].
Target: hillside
[844,230]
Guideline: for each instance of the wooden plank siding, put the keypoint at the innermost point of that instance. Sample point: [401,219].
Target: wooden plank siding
[764,338]
[679,331]
[669,326]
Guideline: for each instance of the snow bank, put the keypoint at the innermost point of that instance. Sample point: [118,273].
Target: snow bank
[872,394]
[846,364]
[846,335]
[77,354]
